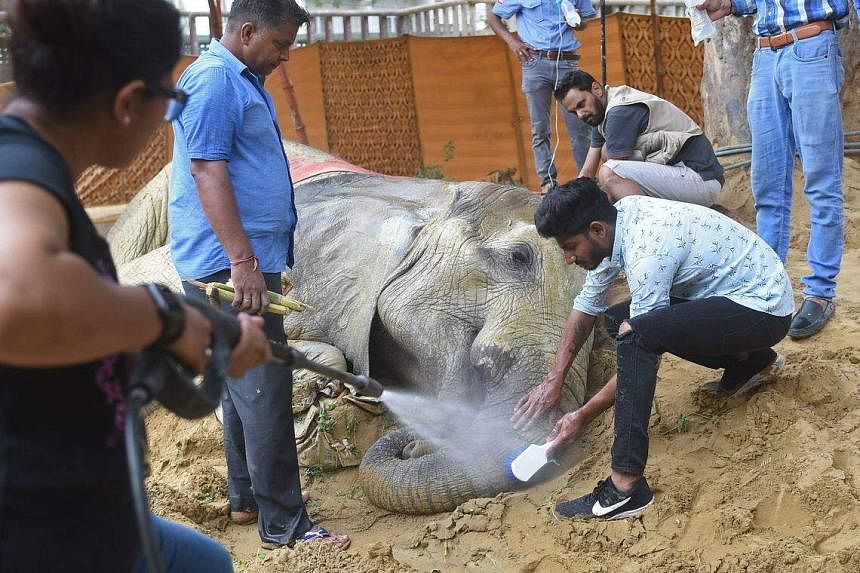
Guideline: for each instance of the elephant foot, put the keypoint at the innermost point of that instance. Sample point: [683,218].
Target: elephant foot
[418,448]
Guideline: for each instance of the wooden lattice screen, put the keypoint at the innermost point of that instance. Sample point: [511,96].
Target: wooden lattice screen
[370,112]
[682,62]
[101,186]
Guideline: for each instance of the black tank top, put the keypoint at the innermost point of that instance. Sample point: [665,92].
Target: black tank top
[65,502]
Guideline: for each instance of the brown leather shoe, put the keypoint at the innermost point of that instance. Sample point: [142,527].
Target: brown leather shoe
[243,517]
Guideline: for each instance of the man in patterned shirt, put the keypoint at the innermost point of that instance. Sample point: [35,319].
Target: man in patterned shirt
[703,288]
[793,105]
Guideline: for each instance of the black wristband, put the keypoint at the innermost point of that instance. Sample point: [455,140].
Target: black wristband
[171,313]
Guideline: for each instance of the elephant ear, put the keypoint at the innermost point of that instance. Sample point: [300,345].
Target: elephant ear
[142,227]
[354,230]
[491,208]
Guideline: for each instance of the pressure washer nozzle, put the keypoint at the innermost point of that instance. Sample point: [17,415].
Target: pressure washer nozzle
[367,386]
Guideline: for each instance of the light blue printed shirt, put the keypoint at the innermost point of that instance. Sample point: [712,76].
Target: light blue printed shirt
[667,248]
[541,24]
[777,16]
[230,116]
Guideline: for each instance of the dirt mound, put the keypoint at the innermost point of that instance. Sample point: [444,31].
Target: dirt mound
[767,483]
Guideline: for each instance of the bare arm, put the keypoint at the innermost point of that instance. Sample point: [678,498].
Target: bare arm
[592,162]
[522,50]
[546,396]
[54,309]
[717,9]
[218,199]
[570,426]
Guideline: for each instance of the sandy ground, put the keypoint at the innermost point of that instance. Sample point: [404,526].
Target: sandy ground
[770,483]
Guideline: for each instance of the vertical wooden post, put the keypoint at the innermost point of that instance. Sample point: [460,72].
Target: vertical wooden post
[658,51]
[347,28]
[364,28]
[293,102]
[216,20]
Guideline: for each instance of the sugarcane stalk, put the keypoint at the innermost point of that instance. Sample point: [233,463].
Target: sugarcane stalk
[278,304]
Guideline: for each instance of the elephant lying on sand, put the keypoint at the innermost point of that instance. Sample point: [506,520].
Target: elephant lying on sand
[441,288]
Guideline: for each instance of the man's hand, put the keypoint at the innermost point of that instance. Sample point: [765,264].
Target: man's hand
[522,50]
[250,288]
[192,346]
[717,9]
[567,429]
[253,349]
[541,400]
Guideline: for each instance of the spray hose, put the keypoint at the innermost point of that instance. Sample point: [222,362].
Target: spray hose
[158,375]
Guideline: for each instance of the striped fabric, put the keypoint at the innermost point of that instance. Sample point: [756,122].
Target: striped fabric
[777,16]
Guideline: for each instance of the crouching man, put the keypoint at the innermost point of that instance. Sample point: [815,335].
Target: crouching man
[703,288]
[649,145]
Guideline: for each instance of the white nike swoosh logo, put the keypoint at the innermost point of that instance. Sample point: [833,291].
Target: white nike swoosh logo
[598,509]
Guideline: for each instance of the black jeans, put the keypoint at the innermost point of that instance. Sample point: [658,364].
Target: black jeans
[259,440]
[713,332]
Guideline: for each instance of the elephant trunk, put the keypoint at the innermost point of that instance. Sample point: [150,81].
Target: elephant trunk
[472,463]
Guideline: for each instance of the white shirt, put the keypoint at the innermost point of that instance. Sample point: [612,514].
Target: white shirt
[667,248]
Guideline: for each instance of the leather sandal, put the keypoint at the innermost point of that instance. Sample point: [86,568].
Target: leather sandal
[243,517]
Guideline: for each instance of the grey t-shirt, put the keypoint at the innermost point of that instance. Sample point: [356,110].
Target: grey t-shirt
[624,123]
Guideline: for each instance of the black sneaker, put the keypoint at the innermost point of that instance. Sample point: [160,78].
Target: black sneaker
[606,502]
[811,318]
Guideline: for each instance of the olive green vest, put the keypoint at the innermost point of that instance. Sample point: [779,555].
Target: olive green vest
[668,129]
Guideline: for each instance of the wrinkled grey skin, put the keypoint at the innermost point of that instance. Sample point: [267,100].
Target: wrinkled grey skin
[443,289]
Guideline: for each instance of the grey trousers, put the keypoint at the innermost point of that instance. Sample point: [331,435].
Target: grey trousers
[259,440]
[539,81]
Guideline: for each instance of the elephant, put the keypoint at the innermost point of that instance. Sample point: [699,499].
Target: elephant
[443,291]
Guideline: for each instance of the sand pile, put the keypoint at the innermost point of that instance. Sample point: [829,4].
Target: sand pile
[769,483]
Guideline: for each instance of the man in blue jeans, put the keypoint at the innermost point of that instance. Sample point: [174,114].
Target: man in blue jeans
[793,104]
[547,50]
[703,287]
[232,216]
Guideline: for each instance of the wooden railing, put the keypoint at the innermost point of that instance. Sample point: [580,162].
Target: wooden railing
[446,18]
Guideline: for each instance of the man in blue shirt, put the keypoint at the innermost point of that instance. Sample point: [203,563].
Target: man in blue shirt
[232,216]
[793,105]
[546,48]
[703,287]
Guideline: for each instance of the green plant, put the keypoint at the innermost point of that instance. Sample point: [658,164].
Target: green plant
[313,472]
[434,170]
[325,423]
[352,426]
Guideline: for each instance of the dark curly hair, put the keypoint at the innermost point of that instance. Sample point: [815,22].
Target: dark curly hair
[67,53]
[570,208]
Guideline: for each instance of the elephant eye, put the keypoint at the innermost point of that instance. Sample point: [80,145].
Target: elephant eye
[521,256]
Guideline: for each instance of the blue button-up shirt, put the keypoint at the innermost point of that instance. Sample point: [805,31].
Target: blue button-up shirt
[777,16]
[667,248]
[230,117]
[541,24]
